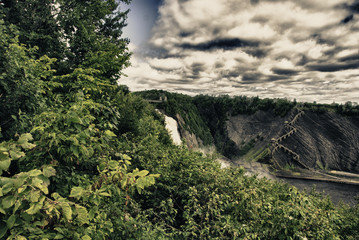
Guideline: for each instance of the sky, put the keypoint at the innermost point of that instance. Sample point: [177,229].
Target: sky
[306,50]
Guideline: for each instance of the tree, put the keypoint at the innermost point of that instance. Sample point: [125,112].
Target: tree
[76,33]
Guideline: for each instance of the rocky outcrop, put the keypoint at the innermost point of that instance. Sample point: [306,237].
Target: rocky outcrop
[327,141]
[192,141]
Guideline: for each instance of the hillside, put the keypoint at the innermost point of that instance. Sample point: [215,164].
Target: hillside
[289,135]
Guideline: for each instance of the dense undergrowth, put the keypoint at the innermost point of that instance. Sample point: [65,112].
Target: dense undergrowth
[83,158]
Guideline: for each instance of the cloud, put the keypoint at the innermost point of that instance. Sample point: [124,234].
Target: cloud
[306,49]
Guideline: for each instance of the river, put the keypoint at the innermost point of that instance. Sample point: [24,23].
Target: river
[336,191]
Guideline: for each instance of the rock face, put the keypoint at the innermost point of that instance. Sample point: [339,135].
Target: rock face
[325,140]
[243,128]
[192,141]
[308,139]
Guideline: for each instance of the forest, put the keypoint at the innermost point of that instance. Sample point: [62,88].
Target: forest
[82,157]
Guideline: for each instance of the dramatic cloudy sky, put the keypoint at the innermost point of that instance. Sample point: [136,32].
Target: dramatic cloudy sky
[305,49]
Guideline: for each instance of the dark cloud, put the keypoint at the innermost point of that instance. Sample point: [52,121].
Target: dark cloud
[256,52]
[354,7]
[251,77]
[332,67]
[197,68]
[281,71]
[273,78]
[232,74]
[352,57]
[185,34]
[223,43]
[348,19]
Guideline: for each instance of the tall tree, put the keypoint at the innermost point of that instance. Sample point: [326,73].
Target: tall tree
[76,33]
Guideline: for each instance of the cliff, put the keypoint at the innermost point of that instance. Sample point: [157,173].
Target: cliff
[324,141]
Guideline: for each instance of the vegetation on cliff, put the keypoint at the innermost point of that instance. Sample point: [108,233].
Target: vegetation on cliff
[83,158]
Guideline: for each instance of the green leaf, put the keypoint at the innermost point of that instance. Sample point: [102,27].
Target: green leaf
[66,211]
[105,194]
[7,188]
[82,214]
[76,192]
[34,196]
[24,141]
[3,229]
[92,212]
[49,171]
[19,237]
[2,211]
[16,154]
[86,237]
[34,208]
[8,201]
[75,150]
[34,173]
[142,173]
[4,155]
[21,189]
[110,133]
[40,185]
[11,221]
[113,164]
[4,165]
[59,236]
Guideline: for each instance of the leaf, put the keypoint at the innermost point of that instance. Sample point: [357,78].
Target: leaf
[75,150]
[49,171]
[4,165]
[59,236]
[86,237]
[2,211]
[19,237]
[21,189]
[24,141]
[76,192]
[110,133]
[105,194]
[7,188]
[113,164]
[40,185]
[66,211]
[8,201]
[16,154]
[4,155]
[142,173]
[82,214]
[34,208]
[3,229]
[34,173]
[92,212]
[11,221]
[34,196]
